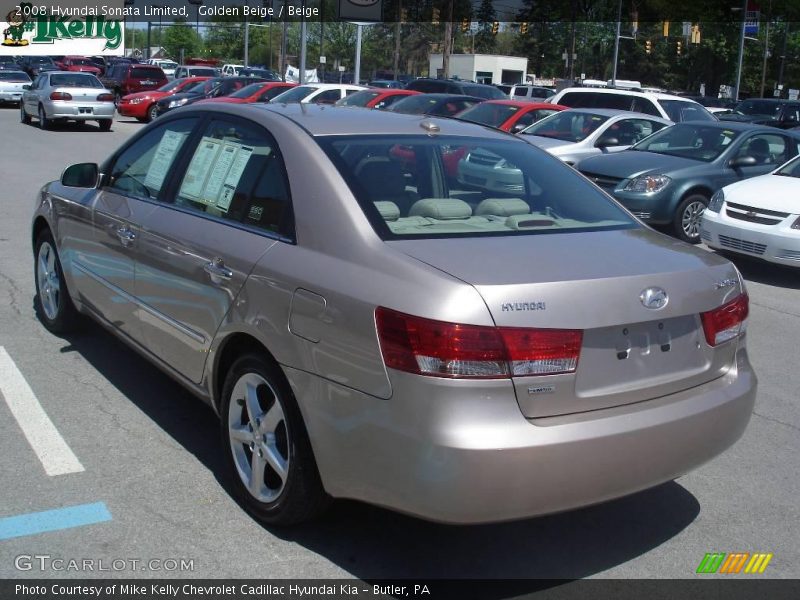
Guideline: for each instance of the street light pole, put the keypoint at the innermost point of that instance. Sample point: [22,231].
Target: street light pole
[741,54]
[766,50]
[357,73]
[616,44]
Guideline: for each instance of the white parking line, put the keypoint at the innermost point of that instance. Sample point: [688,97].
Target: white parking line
[55,455]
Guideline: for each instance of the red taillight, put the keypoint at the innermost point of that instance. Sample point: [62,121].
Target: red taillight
[727,321]
[440,349]
[60,96]
[105,98]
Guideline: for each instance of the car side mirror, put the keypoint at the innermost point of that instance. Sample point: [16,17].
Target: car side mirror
[517,128]
[742,161]
[605,142]
[82,175]
[26,86]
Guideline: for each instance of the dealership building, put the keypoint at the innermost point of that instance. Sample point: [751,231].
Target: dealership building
[482,68]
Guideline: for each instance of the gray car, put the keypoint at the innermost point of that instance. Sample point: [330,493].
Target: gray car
[669,178]
[577,133]
[366,330]
[64,95]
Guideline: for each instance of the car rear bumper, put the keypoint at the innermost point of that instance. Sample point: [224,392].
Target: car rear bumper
[10,96]
[462,452]
[80,112]
[776,244]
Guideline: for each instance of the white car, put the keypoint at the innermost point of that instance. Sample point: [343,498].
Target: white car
[758,217]
[231,70]
[11,83]
[317,93]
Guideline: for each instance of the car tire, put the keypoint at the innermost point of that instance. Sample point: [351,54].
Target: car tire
[152,112]
[44,122]
[24,117]
[52,303]
[105,124]
[268,455]
[688,216]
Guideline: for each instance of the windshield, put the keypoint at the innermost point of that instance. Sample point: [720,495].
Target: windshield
[247,90]
[295,94]
[84,62]
[490,114]
[75,80]
[758,107]
[569,126]
[697,142]
[484,91]
[790,169]
[680,111]
[172,85]
[418,187]
[14,76]
[361,98]
[415,105]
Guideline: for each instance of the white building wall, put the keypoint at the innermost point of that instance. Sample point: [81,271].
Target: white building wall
[467,66]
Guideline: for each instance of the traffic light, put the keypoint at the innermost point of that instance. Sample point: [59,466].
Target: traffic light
[523,28]
[435,16]
[465,25]
[679,47]
[495,27]
[648,46]
[666,28]
[695,34]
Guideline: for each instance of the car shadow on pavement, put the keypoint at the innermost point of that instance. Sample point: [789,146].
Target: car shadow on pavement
[767,273]
[374,543]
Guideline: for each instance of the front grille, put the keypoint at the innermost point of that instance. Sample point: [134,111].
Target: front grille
[752,214]
[789,255]
[604,181]
[742,245]
[705,235]
[488,160]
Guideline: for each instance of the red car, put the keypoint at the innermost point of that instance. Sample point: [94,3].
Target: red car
[261,91]
[509,115]
[142,105]
[79,64]
[375,97]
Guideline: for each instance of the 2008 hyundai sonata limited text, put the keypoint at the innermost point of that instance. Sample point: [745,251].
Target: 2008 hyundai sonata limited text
[370,326]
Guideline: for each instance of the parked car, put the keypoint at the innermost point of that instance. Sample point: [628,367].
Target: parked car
[262,91]
[100,63]
[124,78]
[532,93]
[577,133]
[666,106]
[509,115]
[195,71]
[10,63]
[79,64]
[265,74]
[670,177]
[387,83]
[460,364]
[142,105]
[230,70]
[442,105]
[215,87]
[375,98]
[168,66]
[774,112]
[317,93]
[759,217]
[11,85]
[456,87]
[33,65]
[59,96]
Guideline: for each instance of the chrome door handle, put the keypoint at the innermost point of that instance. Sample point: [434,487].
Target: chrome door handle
[217,269]
[126,236]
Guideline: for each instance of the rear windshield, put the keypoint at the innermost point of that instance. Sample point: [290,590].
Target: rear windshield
[759,107]
[484,91]
[415,105]
[418,187]
[569,125]
[679,111]
[486,113]
[247,90]
[81,61]
[361,98]
[145,73]
[14,76]
[697,142]
[75,80]
[168,87]
[201,72]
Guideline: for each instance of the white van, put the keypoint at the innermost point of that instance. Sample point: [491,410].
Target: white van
[666,106]
[231,70]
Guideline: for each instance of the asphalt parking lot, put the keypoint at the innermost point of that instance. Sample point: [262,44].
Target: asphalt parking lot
[145,482]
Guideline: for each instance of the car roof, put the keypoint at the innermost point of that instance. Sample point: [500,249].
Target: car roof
[656,95]
[343,120]
[612,112]
[735,126]
[522,103]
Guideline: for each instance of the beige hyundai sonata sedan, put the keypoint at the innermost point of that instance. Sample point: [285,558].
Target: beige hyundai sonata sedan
[369,323]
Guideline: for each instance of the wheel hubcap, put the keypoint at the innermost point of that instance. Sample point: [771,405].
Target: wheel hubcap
[259,437]
[48,280]
[691,218]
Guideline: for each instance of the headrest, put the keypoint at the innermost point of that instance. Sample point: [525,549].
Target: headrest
[503,207]
[389,211]
[441,208]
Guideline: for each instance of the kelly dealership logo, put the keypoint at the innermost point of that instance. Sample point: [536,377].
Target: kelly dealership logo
[28,25]
[734,563]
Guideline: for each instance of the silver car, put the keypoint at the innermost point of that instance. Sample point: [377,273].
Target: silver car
[366,330]
[11,83]
[577,133]
[64,95]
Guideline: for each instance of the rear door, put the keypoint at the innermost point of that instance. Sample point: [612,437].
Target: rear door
[229,203]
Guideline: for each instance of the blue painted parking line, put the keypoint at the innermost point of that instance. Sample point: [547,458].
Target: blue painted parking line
[53,520]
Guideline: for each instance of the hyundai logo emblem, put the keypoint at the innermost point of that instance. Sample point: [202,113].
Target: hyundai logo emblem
[654,298]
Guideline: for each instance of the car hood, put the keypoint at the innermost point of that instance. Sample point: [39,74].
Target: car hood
[546,142]
[225,99]
[770,192]
[151,94]
[181,96]
[632,163]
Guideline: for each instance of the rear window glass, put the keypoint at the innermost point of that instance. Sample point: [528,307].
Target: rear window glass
[493,115]
[14,76]
[421,187]
[679,111]
[75,80]
[483,91]
[145,73]
[415,105]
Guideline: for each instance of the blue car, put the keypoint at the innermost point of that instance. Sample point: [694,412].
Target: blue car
[668,178]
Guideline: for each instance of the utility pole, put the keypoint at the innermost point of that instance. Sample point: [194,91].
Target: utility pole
[766,50]
[448,40]
[741,54]
[616,45]
[303,43]
[783,53]
[398,28]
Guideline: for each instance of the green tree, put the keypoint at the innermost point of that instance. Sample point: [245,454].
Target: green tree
[485,40]
[181,37]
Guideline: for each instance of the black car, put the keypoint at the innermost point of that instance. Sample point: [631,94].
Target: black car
[33,65]
[10,63]
[265,74]
[441,105]
[210,88]
[774,112]
[455,86]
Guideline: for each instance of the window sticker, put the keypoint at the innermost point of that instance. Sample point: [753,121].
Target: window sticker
[234,175]
[199,168]
[166,152]
[219,172]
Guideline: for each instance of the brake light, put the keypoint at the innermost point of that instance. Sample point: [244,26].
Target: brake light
[727,321]
[441,349]
[105,98]
[60,96]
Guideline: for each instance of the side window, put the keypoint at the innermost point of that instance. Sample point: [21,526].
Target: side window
[327,97]
[388,101]
[141,170]
[792,113]
[643,105]
[527,119]
[236,172]
[615,101]
[579,100]
[766,148]
[631,131]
